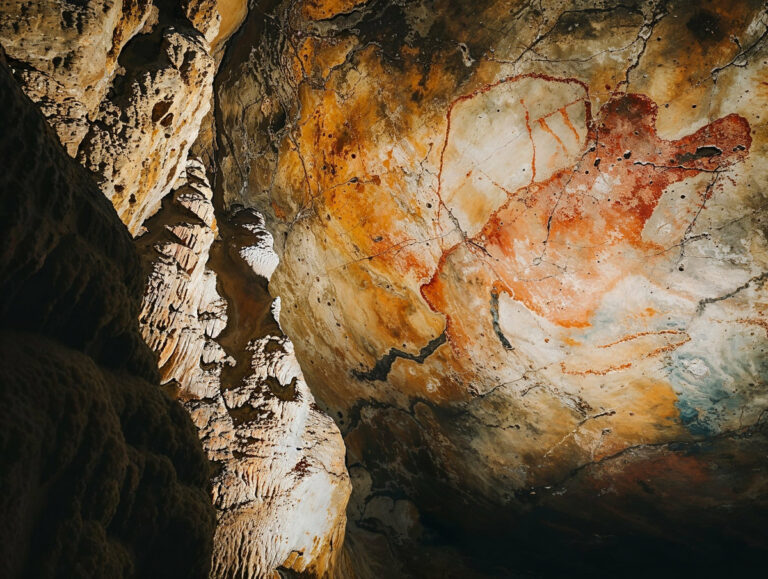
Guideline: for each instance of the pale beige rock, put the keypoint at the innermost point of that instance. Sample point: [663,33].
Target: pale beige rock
[66,53]
[217,20]
[140,137]
[281,488]
[182,312]
[204,15]
[283,503]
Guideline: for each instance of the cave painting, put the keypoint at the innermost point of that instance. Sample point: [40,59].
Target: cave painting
[552,201]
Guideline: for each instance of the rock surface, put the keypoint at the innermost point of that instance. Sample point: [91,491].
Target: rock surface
[522,250]
[522,260]
[140,138]
[101,474]
[66,76]
[280,487]
[126,85]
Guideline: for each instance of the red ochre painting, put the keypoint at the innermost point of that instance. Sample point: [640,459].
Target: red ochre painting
[529,247]
[561,229]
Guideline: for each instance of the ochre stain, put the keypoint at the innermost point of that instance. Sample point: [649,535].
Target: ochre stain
[760,322]
[547,246]
[640,335]
[666,470]
[644,353]
[324,9]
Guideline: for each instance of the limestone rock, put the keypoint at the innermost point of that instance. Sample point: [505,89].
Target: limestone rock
[283,499]
[233,13]
[281,485]
[182,313]
[140,137]
[217,20]
[204,16]
[67,76]
[126,85]
[521,255]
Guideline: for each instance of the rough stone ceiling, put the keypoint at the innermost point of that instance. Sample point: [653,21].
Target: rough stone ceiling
[522,260]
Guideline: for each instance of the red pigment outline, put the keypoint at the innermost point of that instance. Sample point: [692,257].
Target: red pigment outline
[591,137]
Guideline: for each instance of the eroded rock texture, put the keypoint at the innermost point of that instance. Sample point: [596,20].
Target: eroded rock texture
[523,259]
[126,85]
[101,473]
[280,486]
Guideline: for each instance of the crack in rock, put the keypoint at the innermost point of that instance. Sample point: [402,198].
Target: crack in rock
[383,365]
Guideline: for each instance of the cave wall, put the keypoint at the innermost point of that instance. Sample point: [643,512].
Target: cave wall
[102,474]
[516,250]
[523,261]
[127,86]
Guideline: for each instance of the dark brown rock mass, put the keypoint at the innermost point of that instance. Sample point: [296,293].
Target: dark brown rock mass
[101,474]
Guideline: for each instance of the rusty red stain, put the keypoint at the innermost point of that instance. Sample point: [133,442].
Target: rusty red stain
[623,366]
[760,322]
[530,136]
[640,335]
[543,124]
[567,120]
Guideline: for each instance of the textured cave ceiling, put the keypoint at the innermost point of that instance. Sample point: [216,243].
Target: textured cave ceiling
[448,288]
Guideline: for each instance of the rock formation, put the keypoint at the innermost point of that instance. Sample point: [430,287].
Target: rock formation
[127,86]
[101,473]
[523,261]
[280,486]
[516,250]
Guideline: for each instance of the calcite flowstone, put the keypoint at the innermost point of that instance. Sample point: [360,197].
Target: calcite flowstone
[280,486]
[519,242]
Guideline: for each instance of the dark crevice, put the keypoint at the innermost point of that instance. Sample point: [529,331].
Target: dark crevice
[758,279]
[383,365]
[701,153]
[495,318]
